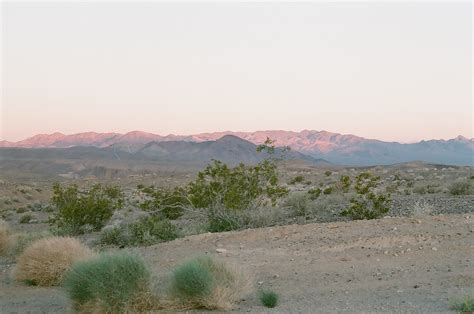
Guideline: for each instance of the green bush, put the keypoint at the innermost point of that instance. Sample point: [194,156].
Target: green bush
[328,173]
[465,306]
[297,179]
[77,209]
[328,190]
[345,182]
[26,218]
[236,188]
[461,187]
[268,298]
[314,193]
[169,202]
[110,281]
[367,204]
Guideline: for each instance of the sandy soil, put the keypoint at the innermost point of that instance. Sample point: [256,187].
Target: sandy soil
[387,265]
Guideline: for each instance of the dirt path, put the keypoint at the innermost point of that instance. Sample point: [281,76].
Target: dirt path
[386,265]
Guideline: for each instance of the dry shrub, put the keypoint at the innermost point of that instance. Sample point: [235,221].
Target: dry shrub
[209,284]
[143,302]
[46,261]
[5,239]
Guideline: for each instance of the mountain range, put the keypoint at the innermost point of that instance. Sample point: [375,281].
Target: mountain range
[336,148]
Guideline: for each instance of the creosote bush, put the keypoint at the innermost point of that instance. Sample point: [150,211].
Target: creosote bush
[79,209]
[367,204]
[110,283]
[268,298]
[207,283]
[167,202]
[236,188]
[45,261]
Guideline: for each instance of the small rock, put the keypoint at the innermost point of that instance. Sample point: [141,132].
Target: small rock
[260,282]
[434,249]
[221,250]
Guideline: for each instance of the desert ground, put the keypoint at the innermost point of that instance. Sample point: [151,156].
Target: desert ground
[411,265]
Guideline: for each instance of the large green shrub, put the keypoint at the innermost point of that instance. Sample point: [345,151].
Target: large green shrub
[236,188]
[168,202]
[77,209]
[109,281]
[367,204]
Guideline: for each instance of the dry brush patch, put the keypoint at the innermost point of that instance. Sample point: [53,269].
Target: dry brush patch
[46,261]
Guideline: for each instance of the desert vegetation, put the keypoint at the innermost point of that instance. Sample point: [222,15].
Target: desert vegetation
[116,219]
[78,210]
[46,261]
[268,298]
[464,305]
[207,283]
[110,283]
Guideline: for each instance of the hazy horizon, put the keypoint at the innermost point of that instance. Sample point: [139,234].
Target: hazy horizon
[389,71]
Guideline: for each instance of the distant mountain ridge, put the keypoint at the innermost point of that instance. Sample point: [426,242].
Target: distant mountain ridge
[337,148]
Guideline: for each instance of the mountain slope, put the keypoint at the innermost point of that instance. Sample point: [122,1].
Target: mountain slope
[337,148]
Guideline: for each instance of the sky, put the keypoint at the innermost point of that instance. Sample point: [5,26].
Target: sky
[390,71]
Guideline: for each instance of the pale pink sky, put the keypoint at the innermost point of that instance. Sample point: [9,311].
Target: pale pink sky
[389,71]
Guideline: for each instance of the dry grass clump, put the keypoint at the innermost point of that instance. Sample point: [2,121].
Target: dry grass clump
[5,238]
[46,261]
[207,283]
